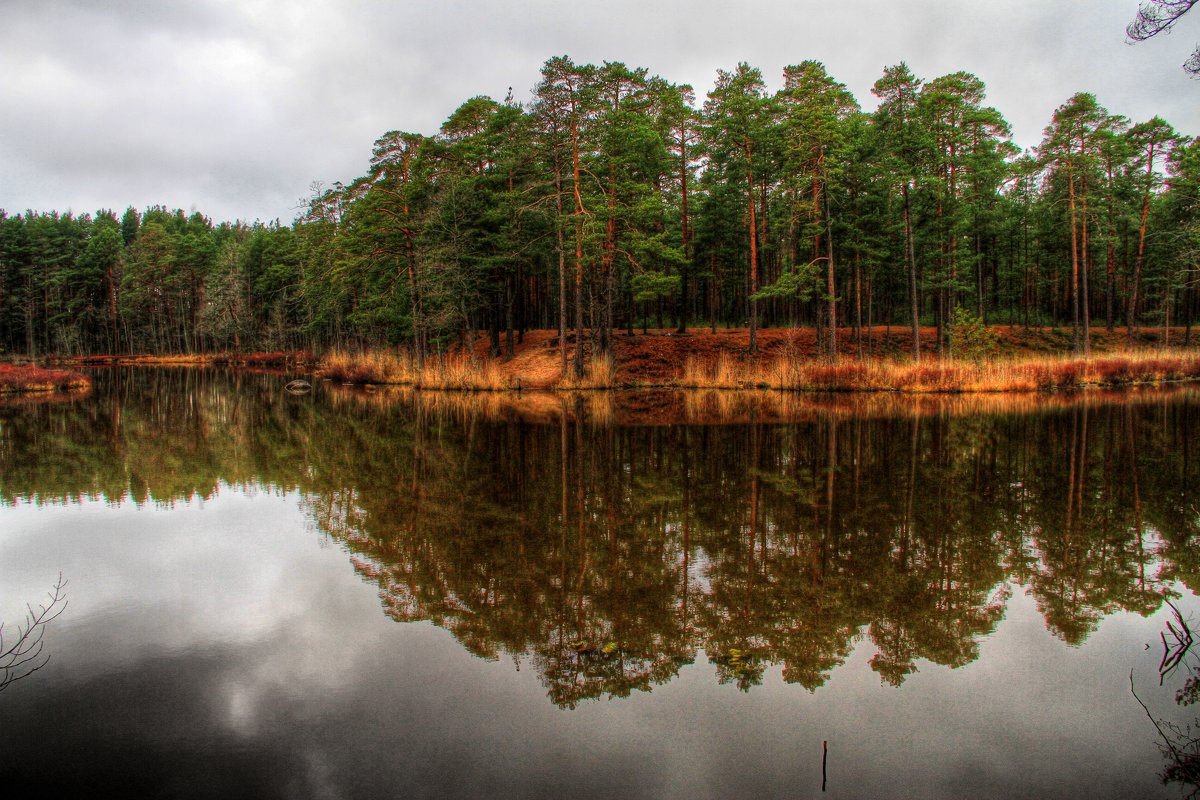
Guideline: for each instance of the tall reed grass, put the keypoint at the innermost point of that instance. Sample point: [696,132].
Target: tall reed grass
[600,372]
[788,372]
[447,373]
[946,375]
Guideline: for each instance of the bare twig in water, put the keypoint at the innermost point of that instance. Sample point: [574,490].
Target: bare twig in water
[22,655]
[1166,739]
[1173,654]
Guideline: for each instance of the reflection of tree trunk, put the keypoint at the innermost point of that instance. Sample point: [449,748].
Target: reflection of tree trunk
[1071,470]
[418,453]
[910,497]
[562,474]
[687,529]
[754,486]
[1083,458]
[522,479]
[580,511]
[830,470]
[1137,494]
[857,460]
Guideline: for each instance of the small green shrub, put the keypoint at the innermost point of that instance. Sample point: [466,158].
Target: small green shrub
[970,338]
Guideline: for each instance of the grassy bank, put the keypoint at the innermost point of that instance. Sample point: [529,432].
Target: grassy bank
[16,378]
[786,360]
[934,375]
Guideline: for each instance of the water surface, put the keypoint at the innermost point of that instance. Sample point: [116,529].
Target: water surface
[357,595]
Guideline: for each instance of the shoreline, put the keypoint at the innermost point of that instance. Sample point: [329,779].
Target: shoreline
[788,360]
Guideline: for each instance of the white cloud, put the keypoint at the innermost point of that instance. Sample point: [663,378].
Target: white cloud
[234,108]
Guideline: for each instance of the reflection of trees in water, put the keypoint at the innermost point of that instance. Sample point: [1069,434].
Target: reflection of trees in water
[607,556]
[906,532]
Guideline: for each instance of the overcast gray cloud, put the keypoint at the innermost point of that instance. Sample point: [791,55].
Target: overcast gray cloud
[234,107]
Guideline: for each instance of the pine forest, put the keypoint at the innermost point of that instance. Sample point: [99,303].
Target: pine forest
[615,200]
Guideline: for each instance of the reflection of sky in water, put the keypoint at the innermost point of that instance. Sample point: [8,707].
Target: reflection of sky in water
[221,648]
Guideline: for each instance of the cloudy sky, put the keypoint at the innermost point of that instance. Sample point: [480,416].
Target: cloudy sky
[235,107]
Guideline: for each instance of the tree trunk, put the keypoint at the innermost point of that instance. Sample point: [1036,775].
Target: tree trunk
[1074,264]
[578,250]
[562,279]
[830,282]
[1085,306]
[686,233]
[910,256]
[509,345]
[1131,316]
[753,252]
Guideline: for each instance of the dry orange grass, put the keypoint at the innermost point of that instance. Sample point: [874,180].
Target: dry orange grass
[1028,374]
[730,372]
[790,371]
[446,373]
[28,378]
[600,372]
[376,366]
[459,373]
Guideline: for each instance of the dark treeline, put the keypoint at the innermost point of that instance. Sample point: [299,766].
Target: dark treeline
[615,199]
[608,556]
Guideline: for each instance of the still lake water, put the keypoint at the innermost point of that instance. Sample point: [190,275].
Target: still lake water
[364,595]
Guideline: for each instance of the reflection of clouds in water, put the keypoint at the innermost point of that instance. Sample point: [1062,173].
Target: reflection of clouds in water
[135,577]
[241,702]
[321,779]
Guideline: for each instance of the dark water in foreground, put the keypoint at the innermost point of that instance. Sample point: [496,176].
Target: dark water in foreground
[346,595]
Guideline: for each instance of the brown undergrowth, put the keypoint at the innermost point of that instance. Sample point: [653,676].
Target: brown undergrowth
[786,359]
[934,375]
[29,378]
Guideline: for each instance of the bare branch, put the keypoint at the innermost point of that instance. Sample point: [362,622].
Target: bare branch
[1159,16]
[23,656]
